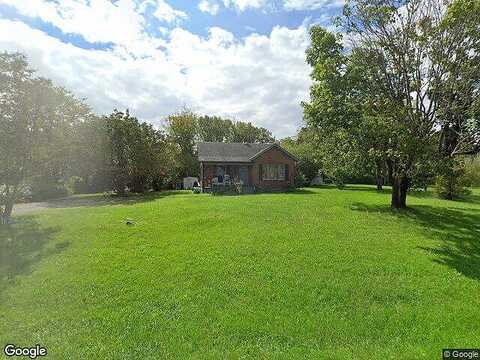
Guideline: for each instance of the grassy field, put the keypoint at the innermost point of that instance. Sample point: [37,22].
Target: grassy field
[319,273]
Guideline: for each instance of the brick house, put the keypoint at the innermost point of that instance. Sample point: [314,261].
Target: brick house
[261,166]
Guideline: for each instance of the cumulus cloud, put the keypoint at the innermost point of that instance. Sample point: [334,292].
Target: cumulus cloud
[98,21]
[118,23]
[288,5]
[310,4]
[258,78]
[242,5]
[209,6]
[166,13]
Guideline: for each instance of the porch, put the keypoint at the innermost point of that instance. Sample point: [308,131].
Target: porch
[225,176]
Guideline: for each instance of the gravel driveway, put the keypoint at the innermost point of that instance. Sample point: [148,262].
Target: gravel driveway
[28,208]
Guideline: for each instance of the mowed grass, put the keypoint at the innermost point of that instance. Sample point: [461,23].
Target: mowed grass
[319,273]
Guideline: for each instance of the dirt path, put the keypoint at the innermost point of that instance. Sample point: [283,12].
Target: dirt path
[22,209]
[87,200]
[28,208]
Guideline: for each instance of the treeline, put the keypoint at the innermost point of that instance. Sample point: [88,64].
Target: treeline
[402,101]
[52,144]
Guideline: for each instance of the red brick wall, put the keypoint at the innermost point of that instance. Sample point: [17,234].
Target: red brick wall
[273,156]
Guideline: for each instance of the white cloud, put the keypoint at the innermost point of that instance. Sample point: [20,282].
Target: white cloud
[98,21]
[310,4]
[259,78]
[166,13]
[107,22]
[288,5]
[209,6]
[242,5]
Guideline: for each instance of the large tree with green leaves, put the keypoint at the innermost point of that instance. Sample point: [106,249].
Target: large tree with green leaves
[245,132]
[344,140]
[182,132]
[395,77]
[422,57]
[458,93]
[213,128]
[36,122]
[137,153]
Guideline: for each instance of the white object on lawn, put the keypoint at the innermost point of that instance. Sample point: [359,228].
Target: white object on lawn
[188,182]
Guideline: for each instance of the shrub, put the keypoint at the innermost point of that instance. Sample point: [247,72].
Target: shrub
[453,180]
[473,171]
[43,188]
[339,183]
[76,185]
[300,180]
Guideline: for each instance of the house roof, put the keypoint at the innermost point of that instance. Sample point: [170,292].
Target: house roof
[232,152]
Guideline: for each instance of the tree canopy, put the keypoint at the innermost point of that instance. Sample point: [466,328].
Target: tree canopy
[404,92]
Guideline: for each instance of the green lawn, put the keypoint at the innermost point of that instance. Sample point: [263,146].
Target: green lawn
[319,273]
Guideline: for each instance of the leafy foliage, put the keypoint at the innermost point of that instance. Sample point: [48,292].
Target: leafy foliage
[36,122]
[406,92]
[304,148]
[453,180]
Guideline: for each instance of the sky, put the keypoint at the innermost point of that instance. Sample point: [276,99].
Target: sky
[241,59]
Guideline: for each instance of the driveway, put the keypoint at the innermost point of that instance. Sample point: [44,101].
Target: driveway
[33,207]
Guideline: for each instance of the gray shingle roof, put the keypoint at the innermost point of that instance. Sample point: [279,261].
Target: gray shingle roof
[228,152]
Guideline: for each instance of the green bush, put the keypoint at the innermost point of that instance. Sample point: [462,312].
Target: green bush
[453,181]
[300,180]
[473,171]
[339,183]
[44,188]
[76,185]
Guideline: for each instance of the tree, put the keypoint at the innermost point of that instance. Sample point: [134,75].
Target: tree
[243,132]
[182,133]
[304,148]
[137,153]
[473,170]
[213,128]
[334,110]
[90,155]
[395,74]
[458,93]
[36,119]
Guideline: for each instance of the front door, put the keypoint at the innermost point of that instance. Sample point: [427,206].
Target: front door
[243,174]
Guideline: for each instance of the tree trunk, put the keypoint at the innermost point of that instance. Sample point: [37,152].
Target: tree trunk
[389,172]
[139,184]
[6,214]
[379,175]
[450,186]
[399,192]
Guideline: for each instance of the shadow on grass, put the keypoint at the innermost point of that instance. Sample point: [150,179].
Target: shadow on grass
[22,245]
[419,194]
[108,199]
[387,189]
[303,191]
[458,231]
[299,191]
[371,188]
[472,199]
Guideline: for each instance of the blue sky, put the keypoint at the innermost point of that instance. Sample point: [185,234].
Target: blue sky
[243,59]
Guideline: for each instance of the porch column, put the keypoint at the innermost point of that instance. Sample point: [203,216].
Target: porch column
[201,175]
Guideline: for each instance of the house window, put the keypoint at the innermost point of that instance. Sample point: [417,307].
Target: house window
[273,172]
